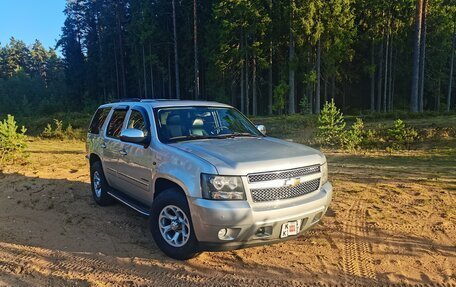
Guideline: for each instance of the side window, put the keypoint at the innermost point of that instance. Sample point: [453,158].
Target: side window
[98,120]
[115,124]
[137,121]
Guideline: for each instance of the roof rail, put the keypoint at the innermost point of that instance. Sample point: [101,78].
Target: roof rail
[126,100]
[158,100]
[140,100]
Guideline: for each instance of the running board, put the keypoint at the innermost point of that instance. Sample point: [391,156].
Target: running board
[130,202]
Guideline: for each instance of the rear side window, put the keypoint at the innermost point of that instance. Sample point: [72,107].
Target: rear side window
[98,120]
[115,124]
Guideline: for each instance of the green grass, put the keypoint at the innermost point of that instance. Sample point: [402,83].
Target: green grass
[299,128]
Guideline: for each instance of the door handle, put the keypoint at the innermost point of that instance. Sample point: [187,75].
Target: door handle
[123,152]
[103,145]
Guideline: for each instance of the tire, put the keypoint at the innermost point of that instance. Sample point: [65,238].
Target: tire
[174,202]
[99,185]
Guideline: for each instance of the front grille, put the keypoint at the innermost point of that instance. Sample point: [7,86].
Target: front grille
[285,192]
[284,174]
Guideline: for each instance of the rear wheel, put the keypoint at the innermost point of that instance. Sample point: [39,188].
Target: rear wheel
[171,225]
[100,187]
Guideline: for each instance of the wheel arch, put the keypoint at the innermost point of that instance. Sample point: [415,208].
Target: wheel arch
[94,158]
[162,184]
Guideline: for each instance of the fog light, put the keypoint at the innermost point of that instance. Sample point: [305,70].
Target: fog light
[264,231]
[222,233]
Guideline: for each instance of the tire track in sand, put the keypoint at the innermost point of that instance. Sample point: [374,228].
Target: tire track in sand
[57,265]
[357,263]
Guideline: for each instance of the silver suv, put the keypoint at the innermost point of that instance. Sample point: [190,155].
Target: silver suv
[207,178]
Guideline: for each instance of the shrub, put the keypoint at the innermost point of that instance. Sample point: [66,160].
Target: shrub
[354,137]
[279,97]
[331,126]
[47,132]
[304,104]
[12,142]
[57,132]
[373,139]
[401,136]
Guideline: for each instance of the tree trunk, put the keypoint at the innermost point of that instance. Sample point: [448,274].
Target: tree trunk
[422,57]
[121,52]
[176,58]
[393,84]
[242,79]
[117,76]
[333,87]
[122,63]
[291,76]
[270,81]
[151,67]
[163,86]
[380,76]
[325,93]
[291,71]
[416,57]
[195,56]
[233,93]
[372,77]
[310,89]
[170,88]
[318,88]
[385,87]
[437,97]
[247,83]
[254,87]
[390,80]
[144,70]
[450,80]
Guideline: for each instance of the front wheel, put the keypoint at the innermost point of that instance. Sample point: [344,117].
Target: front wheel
[171,225]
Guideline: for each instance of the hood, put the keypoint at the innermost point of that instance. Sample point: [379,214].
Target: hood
[244,155]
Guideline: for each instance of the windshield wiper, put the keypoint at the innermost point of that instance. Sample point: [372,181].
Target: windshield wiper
[238,135]
[192,137]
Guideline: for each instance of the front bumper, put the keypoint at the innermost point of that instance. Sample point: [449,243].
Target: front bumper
[243,219]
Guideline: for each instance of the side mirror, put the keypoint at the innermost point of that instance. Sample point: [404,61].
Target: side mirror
[262,129]
[134,136]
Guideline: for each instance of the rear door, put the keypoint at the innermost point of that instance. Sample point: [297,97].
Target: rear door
[135,166]
[113,146]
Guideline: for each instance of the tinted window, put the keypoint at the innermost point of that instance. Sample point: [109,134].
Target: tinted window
[98,120]
[137,121]
[115,124]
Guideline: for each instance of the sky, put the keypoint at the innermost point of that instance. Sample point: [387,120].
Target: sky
[28,20]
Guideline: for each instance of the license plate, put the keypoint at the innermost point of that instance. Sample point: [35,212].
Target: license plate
[289,228]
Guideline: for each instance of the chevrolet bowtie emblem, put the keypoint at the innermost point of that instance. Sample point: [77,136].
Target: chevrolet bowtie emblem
[293,181]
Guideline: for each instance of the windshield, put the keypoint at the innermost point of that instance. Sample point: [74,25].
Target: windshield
[190,123]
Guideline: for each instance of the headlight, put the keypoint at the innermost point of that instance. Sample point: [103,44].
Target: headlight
[222,187]
[324,173]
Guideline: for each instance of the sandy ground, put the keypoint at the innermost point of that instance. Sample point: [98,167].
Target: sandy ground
[392,222]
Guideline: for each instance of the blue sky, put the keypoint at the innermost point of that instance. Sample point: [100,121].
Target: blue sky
[28,20]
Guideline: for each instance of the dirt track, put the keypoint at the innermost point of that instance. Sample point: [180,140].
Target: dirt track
[393,221]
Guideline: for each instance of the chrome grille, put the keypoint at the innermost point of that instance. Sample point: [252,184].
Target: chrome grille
[285,192]
[284,174]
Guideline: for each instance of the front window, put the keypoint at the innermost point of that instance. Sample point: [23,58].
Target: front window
[189,123]
[137,121]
